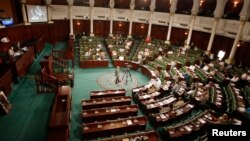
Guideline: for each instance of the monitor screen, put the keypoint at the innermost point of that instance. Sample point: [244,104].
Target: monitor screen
[37,13]
[7,22]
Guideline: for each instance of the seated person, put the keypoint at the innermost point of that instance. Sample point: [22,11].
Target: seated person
[11,52]
[224,119]
[157,83]
[166,109]
[205,68]
[179,103]
[121,57]
[159,58]
[102,54]
[87,53]
[235,78]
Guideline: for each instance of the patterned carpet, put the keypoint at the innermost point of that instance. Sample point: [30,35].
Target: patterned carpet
[127,80]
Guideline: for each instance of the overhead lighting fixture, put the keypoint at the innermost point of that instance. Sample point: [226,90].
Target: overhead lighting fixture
[201,2]
[236,2]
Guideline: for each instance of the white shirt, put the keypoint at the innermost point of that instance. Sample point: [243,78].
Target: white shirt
[157,84]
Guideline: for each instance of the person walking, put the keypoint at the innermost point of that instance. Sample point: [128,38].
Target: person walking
[117,71]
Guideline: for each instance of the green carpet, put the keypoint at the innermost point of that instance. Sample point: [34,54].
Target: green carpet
[30,115]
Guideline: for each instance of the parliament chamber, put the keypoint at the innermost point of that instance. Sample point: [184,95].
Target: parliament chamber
[123,70]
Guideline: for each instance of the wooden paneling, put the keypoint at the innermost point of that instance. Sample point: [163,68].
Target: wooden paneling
[207,8]
[59,2]
[140,30]
[81,2]
[243,54]
[37,32]
[35,2]
[59,31]
[184,6]
[6,6]
[17,33]
[222,43]
[178,36]
[232,10]
[122,4]
[159,32]
[102,3]
[101,28]
[200,39]
[142,4]
[120,28]
[81,26]
[162,6]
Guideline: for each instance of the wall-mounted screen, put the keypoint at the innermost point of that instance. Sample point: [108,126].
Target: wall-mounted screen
[37,13]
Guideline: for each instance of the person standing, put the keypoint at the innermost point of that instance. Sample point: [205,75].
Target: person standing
[117,71]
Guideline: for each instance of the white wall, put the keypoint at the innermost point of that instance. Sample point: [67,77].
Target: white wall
[225,27]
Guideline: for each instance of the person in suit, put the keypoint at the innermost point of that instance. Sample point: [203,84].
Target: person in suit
[117,71]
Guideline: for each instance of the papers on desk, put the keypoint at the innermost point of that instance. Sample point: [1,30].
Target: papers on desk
[189,105]
[113,110]
[178,112]
[129,122]
[163,116]
[136,90]
[202,121]
[188,128]
[17,54]
[86,128]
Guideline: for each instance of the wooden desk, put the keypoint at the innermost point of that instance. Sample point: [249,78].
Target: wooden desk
[107,93]
[141,97]
[193,125]
[109,113]
[20,64]
[60,117]
[148,136]
[145,71]
[114,127]
[6,81]
[105,102]
[153,107]
[160,119]
[124,64]
[94,64]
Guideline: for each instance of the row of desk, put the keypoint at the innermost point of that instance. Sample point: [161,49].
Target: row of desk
[59,124]
[114,127]
[108,115]
[105,102]
[107,93]
[160,119]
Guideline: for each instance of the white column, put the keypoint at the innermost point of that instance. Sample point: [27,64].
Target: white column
[91,22]
[111,24]
[211,39]
[190,32]
[48,4]
[169,28]
[230,60]
[150,25]
[71,21]
[49,14]
[24,14]
[132,7]
[130,23]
